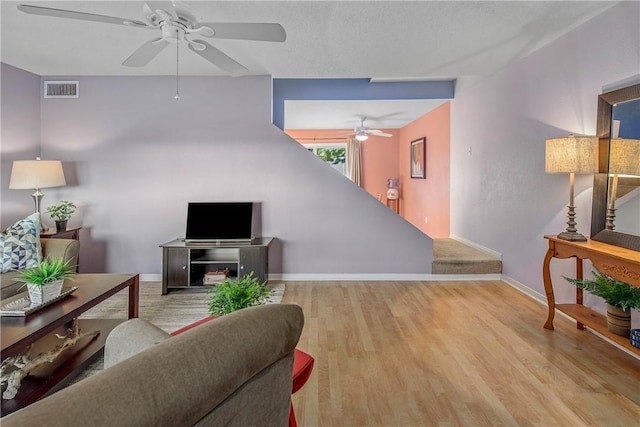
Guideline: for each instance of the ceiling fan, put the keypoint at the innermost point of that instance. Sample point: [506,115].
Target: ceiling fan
[362,132]
[177,23]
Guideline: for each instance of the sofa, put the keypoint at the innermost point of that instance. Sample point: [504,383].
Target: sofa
[235,370]
[66,249]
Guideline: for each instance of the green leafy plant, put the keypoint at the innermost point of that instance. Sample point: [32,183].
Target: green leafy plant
[62,211]
[232,295]
[49,270]
[614,292]
[333,156]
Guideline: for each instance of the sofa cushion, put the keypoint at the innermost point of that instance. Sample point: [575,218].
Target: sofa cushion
[21,244]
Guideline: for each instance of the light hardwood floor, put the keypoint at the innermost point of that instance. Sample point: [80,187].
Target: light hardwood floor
[453,354]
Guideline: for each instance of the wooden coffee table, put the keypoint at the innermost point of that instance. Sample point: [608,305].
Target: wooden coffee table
[38,328]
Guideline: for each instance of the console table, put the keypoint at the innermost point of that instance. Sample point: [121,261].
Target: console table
[185,264]
[69,233]
[620,263]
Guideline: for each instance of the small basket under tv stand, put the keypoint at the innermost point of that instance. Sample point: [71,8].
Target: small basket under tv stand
[184,264]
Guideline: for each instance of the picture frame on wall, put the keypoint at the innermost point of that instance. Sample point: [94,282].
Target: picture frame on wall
[418,157]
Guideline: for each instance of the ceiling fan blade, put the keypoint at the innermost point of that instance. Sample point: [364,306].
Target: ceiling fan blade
[219,59]
[71,14]
[145,53]
[246,31]
[165,6]
[376,132]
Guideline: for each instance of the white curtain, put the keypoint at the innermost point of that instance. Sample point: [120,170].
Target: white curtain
[354,167]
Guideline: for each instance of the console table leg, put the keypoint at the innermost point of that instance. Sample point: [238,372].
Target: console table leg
[579,294]
[134,297]
[546,277]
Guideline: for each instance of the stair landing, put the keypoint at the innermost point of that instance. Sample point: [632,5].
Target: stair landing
[453,257]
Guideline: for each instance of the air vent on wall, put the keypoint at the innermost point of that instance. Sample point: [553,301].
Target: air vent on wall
[61,89]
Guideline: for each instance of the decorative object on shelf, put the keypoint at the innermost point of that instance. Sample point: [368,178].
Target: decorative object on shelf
[35,175]
[635,338]
[624,160]
[572,154]
[44,282]
[392,188]
[215,277]
[619,296]
[61,213]
[418,155]
[232,295]
[13,369]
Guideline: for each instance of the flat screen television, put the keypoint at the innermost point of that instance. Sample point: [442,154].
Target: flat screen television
[219,222]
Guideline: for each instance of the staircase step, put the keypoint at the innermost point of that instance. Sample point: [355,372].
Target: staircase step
[453,257]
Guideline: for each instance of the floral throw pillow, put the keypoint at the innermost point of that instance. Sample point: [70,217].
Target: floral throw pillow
[20,244]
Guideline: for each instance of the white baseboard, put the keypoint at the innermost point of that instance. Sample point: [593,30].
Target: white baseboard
[477,246]
[525,289]
[365,276]
[384,277]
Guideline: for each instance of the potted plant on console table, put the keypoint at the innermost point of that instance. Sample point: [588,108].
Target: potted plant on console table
[45,281]
[619,296]
[61,213]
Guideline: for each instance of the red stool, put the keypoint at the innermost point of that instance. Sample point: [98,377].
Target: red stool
[302,366]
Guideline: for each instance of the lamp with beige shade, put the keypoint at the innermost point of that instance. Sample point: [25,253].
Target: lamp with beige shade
[624,160]
[572,154]
[36,175]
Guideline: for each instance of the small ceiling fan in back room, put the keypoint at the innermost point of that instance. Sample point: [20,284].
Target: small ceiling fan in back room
[177,23]
[362,132]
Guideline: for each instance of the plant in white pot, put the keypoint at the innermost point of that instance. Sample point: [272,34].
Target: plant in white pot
[45,281]
[620,297]
[61,213]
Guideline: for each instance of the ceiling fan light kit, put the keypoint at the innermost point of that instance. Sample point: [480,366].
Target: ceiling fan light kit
[362,132]
[361,136]
[177,22]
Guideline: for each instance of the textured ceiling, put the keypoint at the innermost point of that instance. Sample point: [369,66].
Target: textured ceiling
[325,39]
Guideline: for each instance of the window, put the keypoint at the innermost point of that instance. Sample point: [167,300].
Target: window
[332,154]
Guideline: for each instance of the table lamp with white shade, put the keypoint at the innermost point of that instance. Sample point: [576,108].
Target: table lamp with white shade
[36,175]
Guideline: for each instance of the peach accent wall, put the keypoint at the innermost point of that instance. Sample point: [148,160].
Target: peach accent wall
[427,197]
[380,156]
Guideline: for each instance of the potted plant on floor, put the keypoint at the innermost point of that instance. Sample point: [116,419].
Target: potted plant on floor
[45,281]
[232,295]
[619,296]
[61,213]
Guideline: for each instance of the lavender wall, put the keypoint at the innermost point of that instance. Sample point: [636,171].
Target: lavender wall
[20,137]
[501,197]
[134,158]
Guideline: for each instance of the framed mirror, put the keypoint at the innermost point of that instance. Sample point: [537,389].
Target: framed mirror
[612,106]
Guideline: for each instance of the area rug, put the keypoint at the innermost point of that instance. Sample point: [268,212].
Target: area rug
[169,312]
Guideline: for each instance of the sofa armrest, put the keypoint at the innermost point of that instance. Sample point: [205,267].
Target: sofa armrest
[130,338]
[67,249]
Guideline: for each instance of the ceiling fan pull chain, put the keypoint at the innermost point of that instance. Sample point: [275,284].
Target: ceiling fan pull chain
[177,97]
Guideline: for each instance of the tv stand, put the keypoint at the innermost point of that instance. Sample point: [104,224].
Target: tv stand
[184,264]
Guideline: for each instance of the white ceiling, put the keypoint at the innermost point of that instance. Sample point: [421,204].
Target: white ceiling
[428,40]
